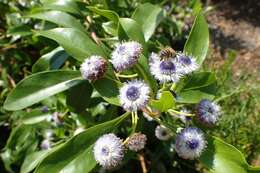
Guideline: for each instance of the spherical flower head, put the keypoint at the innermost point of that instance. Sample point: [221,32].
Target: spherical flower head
[93,68]
[208,112]
[190,143]
[109,151]
[134,95]
[125,55]
[186,64]
[164,70]
[162,133]
[136,142]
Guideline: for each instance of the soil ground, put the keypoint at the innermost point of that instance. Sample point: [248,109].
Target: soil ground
[235,24]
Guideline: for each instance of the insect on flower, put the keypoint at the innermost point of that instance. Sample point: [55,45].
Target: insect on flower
[166,53]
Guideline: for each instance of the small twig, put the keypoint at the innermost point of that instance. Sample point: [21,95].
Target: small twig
[142,161]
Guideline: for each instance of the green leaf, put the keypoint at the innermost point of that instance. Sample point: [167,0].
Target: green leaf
[33,117]
[108,89]
[59,18]
[132,29]
[165,102]
[61,5]
[50,61]
[22,30]
[110,28]
[198,40]
[75,42]
[76,154]
[221,157]
[197,86]
[194,96]
[32,160]
[39,86]
[199,80]
[78,97]
[111,15]
[148,16]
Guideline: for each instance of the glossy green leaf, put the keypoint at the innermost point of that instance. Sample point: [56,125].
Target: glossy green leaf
[198,40]
[75,42]
[111,15]
[33,117]
[76,154]
[110,28]
[132,29]
[50,61]
[148,16]
[108,89]
[197,86]
[32,160]
[78,97]
[22,30]
[61,5]
[199,80]
[39,86]
[165,102]
[194,96]
[221,157]
[59,18]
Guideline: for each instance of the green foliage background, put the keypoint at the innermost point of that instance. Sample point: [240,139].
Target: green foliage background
[25,50]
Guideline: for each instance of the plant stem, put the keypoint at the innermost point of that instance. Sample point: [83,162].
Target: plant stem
[181,113]
[127,76]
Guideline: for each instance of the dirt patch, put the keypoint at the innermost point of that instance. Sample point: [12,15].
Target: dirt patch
[235,24]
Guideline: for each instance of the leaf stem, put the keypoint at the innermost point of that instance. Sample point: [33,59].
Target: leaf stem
[181,113]
[127,76]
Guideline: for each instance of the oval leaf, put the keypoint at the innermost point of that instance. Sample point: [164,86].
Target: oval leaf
[61,5]
[108,89]
[50,61]
[198,40]
[59,18]
[75,42]
[165,102]
[148,16]
[221,157]
[111,15]
[39,86]
[78,97]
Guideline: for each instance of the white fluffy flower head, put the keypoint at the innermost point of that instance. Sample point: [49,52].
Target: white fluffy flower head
[186,64]
[190,143]
[162,133]
[93,68]
[109,151]
[164,70]
[125,55]
[134,95]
